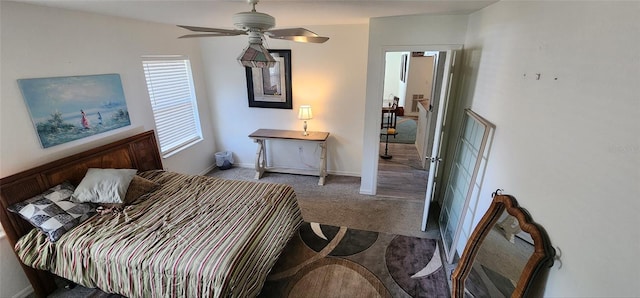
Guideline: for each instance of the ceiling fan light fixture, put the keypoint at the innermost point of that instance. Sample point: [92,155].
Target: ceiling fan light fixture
[256,56]
[257,25]
[253,20]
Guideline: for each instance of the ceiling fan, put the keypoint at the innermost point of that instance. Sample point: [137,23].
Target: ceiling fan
[256,25]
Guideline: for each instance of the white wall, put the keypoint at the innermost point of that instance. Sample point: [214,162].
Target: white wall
[419,80]
[12,279]
[392,79]
[406,33]
[44,42]
[329,76]
[566,148]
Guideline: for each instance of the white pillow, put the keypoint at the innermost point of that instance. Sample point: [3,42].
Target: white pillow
[104,186]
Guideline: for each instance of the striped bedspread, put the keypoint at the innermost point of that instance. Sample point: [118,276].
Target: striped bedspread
[194,236]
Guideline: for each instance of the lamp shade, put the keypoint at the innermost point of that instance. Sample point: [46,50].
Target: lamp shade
[305,112]
[255,55]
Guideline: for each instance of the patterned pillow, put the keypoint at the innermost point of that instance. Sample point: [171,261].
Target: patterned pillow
[53,212]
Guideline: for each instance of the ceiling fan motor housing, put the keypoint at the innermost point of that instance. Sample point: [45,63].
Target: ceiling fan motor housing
[253,21]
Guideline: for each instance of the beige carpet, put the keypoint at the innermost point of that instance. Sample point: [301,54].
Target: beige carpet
[339,203]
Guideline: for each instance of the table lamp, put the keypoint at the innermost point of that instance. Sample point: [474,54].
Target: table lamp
[305,114]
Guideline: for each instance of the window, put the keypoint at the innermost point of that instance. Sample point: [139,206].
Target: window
[173,101]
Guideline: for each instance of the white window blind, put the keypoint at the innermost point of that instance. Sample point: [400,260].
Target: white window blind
[173,102]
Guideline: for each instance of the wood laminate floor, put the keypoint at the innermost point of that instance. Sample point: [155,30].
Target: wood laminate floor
[401,176]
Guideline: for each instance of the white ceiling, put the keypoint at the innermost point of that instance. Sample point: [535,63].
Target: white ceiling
[288,13]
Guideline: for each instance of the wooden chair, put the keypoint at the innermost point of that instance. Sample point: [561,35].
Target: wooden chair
[390,112]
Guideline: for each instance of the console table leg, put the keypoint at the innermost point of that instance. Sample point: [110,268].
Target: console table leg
[323,163]
[260,159]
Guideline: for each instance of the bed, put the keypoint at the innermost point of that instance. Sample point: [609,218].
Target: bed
[192,236]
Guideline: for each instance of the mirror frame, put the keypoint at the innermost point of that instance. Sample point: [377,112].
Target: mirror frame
[542,256]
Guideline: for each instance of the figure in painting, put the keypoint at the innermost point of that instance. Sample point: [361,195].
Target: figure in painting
[84,120]
[99,118]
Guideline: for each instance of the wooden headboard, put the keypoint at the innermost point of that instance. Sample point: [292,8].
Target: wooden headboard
[136,152]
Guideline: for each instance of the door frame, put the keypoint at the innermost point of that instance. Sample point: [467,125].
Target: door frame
[371,139]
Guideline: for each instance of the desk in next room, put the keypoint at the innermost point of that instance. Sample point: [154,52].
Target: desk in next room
[259,136]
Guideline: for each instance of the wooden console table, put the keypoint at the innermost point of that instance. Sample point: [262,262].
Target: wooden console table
[259,136]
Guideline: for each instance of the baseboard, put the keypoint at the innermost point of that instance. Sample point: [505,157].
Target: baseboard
[24,293]
[209,169]
[339,173]
[366,192]
[245,165]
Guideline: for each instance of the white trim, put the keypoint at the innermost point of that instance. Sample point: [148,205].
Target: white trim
[24,292]
[339,173]
[183,147]
[165,57]
[375,76]
[207,170]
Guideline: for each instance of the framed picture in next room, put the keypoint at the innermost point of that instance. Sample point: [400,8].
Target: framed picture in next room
[271,87]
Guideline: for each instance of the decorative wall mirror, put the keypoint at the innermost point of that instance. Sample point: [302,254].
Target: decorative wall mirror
[505,253]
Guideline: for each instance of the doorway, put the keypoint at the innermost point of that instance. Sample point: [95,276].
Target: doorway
[410,84]
[441,115]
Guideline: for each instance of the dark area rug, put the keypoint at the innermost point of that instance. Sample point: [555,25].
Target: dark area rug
[406,128]
[328,261]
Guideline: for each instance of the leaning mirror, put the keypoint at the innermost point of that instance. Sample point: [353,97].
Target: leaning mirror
[505,253]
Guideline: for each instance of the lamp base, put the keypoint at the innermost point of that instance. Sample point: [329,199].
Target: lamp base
[305,129]
[385,156]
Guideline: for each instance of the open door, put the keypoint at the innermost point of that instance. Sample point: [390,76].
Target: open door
[434,159]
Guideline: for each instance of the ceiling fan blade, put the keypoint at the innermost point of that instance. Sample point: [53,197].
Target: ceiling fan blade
[204,35]
[311,39]
[222,32]
[290,32]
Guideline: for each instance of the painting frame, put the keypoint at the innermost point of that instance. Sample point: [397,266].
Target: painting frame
[273,90]
[68,108]
[403,67]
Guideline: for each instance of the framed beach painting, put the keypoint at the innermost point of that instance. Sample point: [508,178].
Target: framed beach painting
[271,87]
[64,109]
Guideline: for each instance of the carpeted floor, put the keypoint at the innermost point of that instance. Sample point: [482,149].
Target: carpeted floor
[406,128]
[328,261]
[339,203]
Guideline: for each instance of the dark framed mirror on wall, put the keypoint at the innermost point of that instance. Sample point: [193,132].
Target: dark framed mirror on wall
[504,255]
